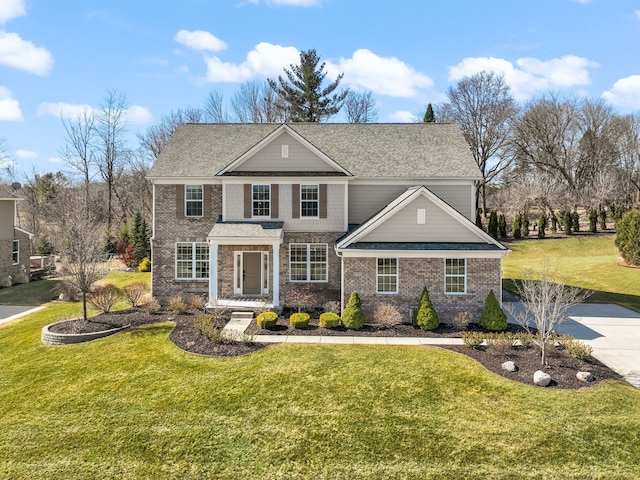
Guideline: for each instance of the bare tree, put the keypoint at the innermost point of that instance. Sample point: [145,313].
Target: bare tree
[157,135]
[7,167]
[546,301]
[258,102]
[629,154]
[79,148]
[484,108]
[361,107]
[82,249]
[111,151]
[214,108]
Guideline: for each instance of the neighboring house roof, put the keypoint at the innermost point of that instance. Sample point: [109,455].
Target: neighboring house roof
[406,150]
[356,239]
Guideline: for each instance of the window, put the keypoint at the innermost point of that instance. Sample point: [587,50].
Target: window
[16,251]
[309,200]
[192,261]
[387,275]
[455,276]
[261,200]
[308,262]
[193,200]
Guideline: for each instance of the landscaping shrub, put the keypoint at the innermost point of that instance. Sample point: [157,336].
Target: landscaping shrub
[575,221]
[267,319]
[196,302]
[567,222]
[593,221]
[299,320]
[177,305]
[493,318]
[205,324]
[579,350]
[332,306]
[426,316]
[104,297]
[5,281]
[492,228]
[525,339]
[472,339]
[387,314]
[145,265]
[542,225]
[329,320]
[603,219]
[152,307]
[502,226]
[299,298]
[352,315]
[628,236]
[65,290]
[134,293]
[500,343]
[524,225]
[516,227]
[461,320]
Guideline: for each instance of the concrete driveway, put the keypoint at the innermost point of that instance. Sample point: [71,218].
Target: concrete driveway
[612,331]
[12,312]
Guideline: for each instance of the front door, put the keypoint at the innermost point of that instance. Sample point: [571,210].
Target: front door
[252,273]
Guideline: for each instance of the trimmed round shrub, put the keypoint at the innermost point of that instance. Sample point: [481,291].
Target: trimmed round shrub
[329,320]
[267,319]
[352,315]
[299,320]
[426,317]
[628,236]
[493,318]
[145,265]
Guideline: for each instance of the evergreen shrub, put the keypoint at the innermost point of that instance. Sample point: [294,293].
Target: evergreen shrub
[426,316]
[353,315]
[299,320]
[267,319]
[628,236]
[493,318]
[329,320]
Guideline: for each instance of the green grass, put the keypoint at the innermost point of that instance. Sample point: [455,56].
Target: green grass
[134,406]
[590,262]
[32,293]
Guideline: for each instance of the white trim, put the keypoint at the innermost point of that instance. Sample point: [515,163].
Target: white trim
[186,200]
[238,267]
[308,263]
[184,181]
[352,252]
[14,251]
[397,276]
[260,217]
[275,291]
[317,201]
[193,262]
[31,235]
[272,136]
[455,276]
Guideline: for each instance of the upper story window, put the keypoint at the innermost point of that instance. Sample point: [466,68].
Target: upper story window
[455,276]
[16,251]
[261,200]
[309,200]
[193,200]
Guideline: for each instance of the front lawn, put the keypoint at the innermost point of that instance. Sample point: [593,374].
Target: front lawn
[134,406]
[590,262]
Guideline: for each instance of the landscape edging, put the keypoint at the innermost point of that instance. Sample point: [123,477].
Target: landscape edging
[52,338]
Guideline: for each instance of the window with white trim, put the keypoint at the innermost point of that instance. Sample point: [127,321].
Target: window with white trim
[387,276]
[455,276]
[261,200]
[192,261]
[309,200]
[16,252]
[193,200]
[308,262]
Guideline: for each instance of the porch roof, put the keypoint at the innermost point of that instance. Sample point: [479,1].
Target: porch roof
[267,231]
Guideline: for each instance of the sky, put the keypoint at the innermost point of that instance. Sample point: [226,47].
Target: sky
[57,58]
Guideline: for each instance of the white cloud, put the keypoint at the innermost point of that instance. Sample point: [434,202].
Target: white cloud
[26,154]
[265,60]
[638,14]
[54,160]
[24,55]
[625,93]
[382,75]
[200,40]
[61,109]
[530,76]
[9,107]
[138,115]
[402,116]
[11,9]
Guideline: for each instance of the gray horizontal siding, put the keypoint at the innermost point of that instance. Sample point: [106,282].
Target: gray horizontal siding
[6,219]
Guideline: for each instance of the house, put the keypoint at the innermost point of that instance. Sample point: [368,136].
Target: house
[244,212]
[15,243]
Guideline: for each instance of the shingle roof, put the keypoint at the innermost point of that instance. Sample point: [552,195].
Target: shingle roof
[409,150]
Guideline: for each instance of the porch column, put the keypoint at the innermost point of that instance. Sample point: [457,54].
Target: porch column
[276,274]
[213,272]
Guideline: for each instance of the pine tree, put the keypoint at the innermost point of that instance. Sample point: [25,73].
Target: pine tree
[352,315]
[593,220]
[426,317]
[302,93]
[516,227]
[493,317]
[492,228]
[542,225]
[502,226]
[603,218]
[429,117]
[479,220]
[575,221]
[567,223]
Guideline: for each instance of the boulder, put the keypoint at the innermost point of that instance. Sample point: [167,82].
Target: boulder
[585,376]
[509,366]
[541,378]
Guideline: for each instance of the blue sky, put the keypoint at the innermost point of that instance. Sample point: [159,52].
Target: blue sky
[58,57]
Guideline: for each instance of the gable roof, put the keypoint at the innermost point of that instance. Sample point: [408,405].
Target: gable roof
[405,199]
[405,150]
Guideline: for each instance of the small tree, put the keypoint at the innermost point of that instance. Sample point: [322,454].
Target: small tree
[554,222]
[515,228]
[353,315]
[567,223]
[546,302]
[575,221]
[502,226]
[426,317]
[429,116]
[628,236]
[524,225]
[493,318]
[593,220]
[603,218]
[492,228]
[299,298]
[542,225]
[479,220]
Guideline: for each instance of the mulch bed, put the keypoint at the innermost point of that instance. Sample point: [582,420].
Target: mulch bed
[560,365]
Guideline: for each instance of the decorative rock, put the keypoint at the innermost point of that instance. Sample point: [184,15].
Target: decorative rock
[509,366]
[585,376]
[541,378]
